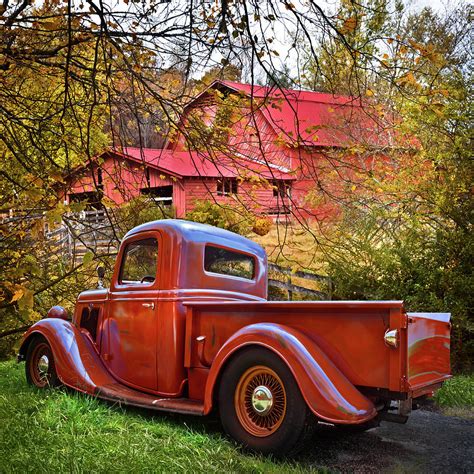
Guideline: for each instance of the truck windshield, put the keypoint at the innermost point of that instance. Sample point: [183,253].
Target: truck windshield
[227,262]
[139,262]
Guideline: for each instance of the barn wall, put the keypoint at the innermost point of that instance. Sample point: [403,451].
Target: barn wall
[251,134]
[258,198]
[123,180]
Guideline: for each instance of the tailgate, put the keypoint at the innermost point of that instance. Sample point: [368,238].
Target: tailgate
[428,351]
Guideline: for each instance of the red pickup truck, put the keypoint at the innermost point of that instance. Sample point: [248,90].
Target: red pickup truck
[185,327]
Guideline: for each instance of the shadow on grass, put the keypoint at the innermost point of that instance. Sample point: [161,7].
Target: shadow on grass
[329,448]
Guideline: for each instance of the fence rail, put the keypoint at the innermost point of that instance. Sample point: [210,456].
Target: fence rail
[291,288]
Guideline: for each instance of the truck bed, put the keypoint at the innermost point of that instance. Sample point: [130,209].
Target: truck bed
[351,334]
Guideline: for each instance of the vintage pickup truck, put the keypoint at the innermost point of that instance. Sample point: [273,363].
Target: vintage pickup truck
[185,327]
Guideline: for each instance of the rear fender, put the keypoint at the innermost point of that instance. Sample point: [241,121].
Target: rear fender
[326,390]
[77,362]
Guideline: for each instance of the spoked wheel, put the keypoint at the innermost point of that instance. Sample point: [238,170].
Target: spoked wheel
[260,401]
[261,406]
[40,368]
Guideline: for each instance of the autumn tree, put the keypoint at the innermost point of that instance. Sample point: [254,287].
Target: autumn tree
[79,77]
[407,232]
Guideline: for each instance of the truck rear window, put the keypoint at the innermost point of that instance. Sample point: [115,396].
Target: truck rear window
[227,262]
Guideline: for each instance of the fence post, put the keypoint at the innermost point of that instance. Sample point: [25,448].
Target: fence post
[290,293]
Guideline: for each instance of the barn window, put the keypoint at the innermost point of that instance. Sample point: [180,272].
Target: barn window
[147,176]
[226,186]
[281,189]
[161,194]
[92,200]
[100,179]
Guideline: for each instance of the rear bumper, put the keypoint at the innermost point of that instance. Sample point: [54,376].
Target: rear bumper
[421,390]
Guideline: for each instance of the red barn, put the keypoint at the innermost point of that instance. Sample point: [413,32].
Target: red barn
[265,148]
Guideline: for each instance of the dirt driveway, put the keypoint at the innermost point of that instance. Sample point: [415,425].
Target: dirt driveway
[429,442]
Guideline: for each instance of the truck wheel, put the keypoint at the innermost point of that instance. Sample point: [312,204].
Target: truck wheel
[261,406]
[40,369]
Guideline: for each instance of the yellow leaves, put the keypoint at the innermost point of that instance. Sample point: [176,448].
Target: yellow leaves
[87,258]
[51,25]
[408,79]
[26,302]
[443,92]
[18,293]
[349,25]
[369,92]
[22,296]
[37,230]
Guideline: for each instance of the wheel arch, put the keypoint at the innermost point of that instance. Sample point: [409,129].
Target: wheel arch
[77,362]
[326,390]
[27,340]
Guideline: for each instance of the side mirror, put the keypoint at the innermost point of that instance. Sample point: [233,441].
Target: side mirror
[100,274]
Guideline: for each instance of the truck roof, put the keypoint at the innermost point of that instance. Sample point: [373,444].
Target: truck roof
[195,232]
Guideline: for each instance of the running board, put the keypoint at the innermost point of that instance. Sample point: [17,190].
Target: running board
[116,392]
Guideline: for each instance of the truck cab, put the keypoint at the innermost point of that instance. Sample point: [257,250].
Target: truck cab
[138,325]
[186,327]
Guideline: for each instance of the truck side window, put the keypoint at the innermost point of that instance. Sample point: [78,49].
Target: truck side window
[227,262]
[139,262]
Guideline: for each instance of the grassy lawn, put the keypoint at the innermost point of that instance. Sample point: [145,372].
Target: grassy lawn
[63,431]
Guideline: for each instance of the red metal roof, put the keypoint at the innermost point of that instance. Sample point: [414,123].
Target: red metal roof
[315,118]
[199,164]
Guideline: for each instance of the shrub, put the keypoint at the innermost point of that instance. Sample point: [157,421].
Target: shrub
[457,392]
[430,270]
[138,211]
[262,226]
[234,218]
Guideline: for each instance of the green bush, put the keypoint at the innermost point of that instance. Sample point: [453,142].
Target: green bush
[431,270]
[457,392]
[138,211]
[234,218]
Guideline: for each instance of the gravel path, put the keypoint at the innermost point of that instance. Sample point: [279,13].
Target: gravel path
[430,442]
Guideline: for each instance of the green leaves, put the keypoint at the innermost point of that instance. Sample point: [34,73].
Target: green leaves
[87,258]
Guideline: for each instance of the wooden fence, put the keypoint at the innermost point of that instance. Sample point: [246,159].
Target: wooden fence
[285,281]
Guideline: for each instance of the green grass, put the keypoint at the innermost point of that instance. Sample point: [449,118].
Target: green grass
[457,392]
[64,431]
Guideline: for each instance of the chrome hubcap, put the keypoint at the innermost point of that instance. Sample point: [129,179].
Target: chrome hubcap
[43,366]
[262,400]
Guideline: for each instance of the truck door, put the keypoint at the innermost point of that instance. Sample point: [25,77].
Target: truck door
[131,334]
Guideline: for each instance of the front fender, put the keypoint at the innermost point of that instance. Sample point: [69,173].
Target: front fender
[326,390]
[77,363]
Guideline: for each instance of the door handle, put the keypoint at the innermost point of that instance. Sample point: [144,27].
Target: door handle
[149,305]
